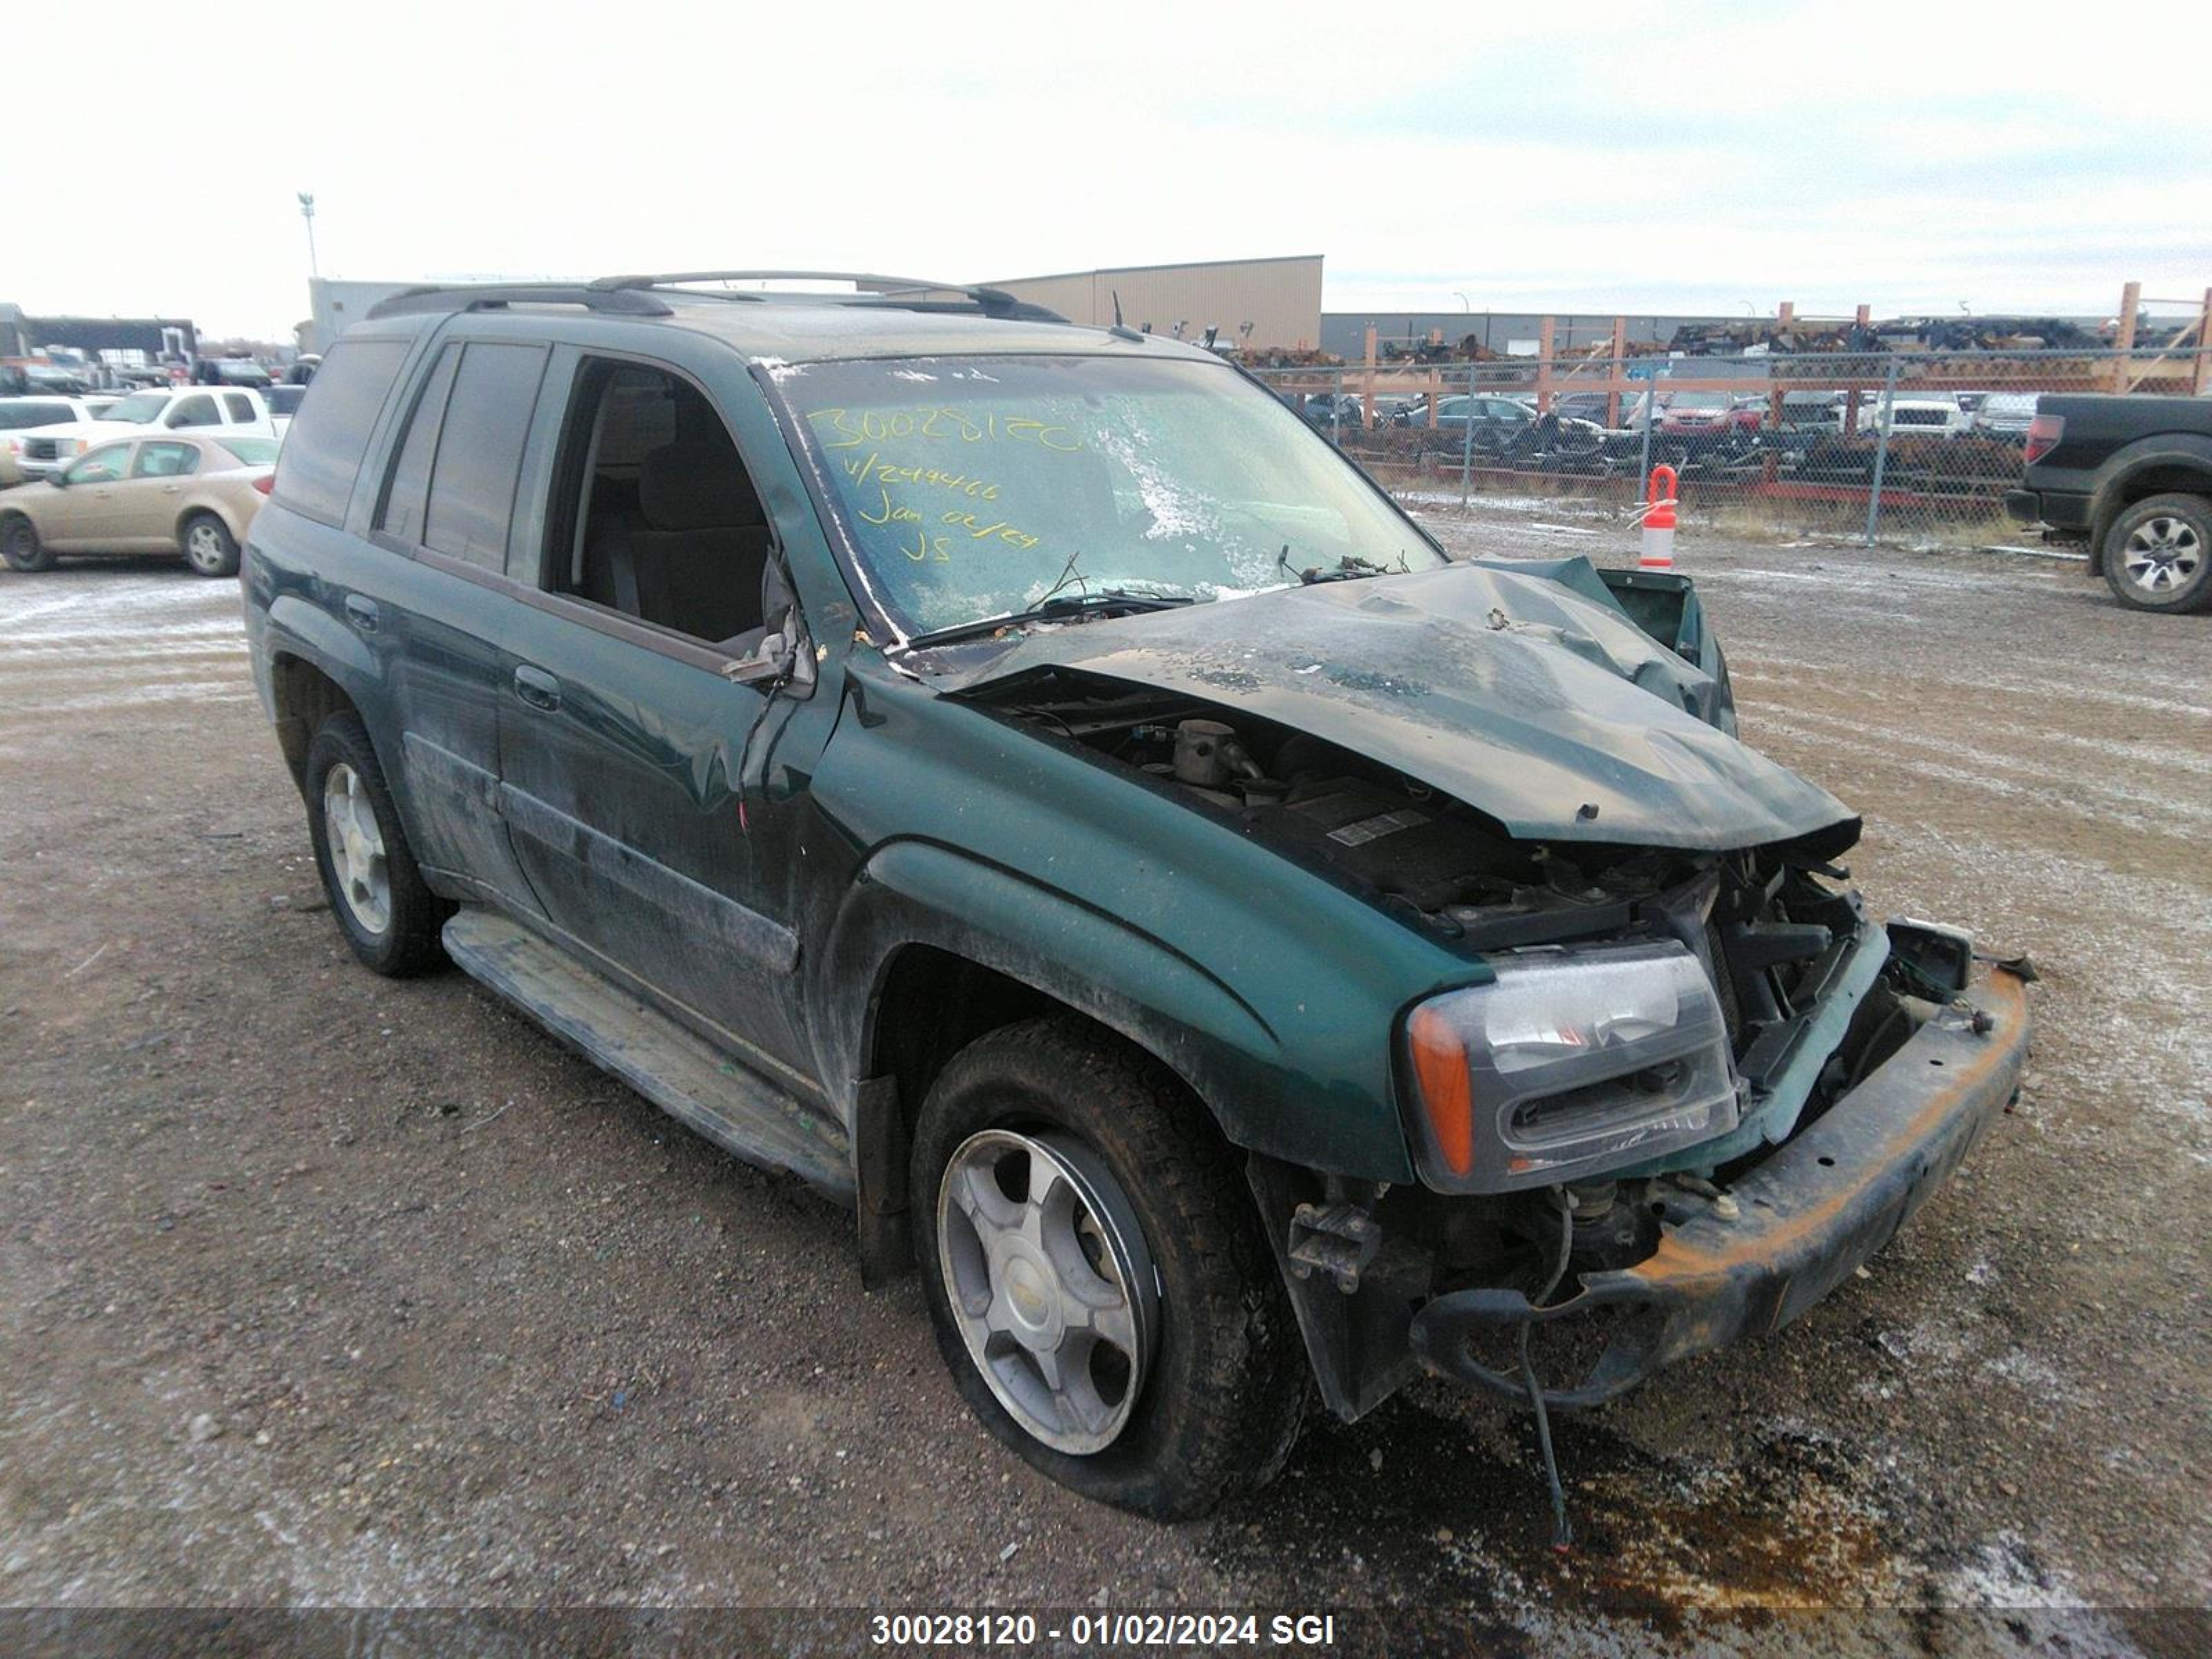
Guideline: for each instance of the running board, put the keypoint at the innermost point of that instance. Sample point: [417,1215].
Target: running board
[733,1106]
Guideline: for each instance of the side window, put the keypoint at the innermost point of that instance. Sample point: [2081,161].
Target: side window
[198,411]
[655,514]
[325,447]
[472,481]
[240,408]
[161,460]
[102,465]
[406,495]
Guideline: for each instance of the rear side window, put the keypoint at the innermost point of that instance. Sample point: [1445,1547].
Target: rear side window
[480,451]
[324,449]
[161,460]
[15,416]
[240,407]
[252,452]
[407,492]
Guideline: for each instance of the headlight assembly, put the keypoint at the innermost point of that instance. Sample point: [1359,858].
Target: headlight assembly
[1572,1063]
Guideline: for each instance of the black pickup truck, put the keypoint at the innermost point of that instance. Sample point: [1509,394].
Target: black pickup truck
[2132,477]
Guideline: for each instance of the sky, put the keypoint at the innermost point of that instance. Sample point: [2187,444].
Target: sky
[1613,157]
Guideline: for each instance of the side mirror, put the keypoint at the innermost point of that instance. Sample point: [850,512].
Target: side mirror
[58,480]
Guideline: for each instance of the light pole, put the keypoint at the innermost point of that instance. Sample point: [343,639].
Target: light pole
[307,212]
[1462,298]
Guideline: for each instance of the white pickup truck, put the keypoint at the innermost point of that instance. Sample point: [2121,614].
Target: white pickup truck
[209,410]
[20,415]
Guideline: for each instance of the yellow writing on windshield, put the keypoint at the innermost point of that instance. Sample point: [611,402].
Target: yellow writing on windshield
[873,469]
[853,428]
[996,530]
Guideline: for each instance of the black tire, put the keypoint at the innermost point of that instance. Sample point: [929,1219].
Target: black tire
[407,942]
[20,547]
[209,547]
[1218,1408]
[2174,568]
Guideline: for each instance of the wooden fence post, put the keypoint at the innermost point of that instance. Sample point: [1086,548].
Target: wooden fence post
[2124,341]
[1619,351]
[2200,375]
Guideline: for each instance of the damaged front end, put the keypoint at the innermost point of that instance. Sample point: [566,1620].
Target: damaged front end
[1684,1086]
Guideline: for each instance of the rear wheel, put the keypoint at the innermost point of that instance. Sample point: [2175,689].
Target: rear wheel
[2157,554]
[389,916]
[1096,1275]
[20,547]
[209,546]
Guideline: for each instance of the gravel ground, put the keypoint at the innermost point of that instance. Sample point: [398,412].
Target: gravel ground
[316,1288]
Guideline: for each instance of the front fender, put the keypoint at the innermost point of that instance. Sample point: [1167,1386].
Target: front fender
[918,892]
[1197,1024]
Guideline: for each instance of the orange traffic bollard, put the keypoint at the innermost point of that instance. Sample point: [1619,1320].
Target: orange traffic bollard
[1659,520]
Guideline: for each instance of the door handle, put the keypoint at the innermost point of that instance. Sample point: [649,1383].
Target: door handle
[362,613]
[536,687]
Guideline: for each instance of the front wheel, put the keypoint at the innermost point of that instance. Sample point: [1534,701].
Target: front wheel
[20,547]
[2157,554]
[209,548]
[1096,1275]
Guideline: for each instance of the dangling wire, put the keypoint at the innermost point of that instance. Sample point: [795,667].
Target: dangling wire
[1563,1535]
[745,751]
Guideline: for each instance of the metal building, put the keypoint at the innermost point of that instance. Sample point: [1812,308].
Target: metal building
[24,335]
[1263,303]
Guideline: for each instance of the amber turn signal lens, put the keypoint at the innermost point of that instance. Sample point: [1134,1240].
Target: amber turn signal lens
[1440,1069]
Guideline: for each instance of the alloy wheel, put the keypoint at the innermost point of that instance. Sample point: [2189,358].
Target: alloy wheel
[203,547]
[356,848]
[2162,554]
[1050,1283]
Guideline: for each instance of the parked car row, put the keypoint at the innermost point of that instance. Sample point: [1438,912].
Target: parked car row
[166,470]
[39,436]
[1705,413]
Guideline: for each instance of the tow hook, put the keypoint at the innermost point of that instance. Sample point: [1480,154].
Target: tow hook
[1339,1237]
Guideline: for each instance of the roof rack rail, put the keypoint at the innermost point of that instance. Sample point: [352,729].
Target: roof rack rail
[490,296]
[872,285]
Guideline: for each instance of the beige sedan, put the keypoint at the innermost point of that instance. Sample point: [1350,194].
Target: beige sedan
[175,493]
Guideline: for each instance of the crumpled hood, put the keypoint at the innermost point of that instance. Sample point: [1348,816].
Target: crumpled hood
[1554,714]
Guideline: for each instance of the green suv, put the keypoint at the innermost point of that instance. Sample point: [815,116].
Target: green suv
[1019,779]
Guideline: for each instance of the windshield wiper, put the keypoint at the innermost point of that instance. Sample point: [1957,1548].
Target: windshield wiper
[1064,607]
[1347,569]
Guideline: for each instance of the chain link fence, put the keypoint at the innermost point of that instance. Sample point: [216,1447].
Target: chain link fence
[1912,445]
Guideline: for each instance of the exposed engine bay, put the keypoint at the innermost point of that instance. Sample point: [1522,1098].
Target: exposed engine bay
[1772,925]
[1434,862]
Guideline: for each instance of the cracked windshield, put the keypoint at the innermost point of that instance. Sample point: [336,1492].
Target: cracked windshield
[982,487]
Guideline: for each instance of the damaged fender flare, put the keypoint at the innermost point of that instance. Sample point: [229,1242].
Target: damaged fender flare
[918,894]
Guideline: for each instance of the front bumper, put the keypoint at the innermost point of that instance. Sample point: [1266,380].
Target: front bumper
[1820,1205]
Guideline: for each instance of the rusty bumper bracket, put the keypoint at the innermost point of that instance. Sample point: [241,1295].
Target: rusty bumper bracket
[1820,1205]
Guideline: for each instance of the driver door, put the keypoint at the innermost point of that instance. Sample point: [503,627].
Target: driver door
[646,767]
[87,516]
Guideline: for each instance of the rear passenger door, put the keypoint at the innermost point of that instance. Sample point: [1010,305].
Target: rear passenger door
[446,501]
[146,517]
